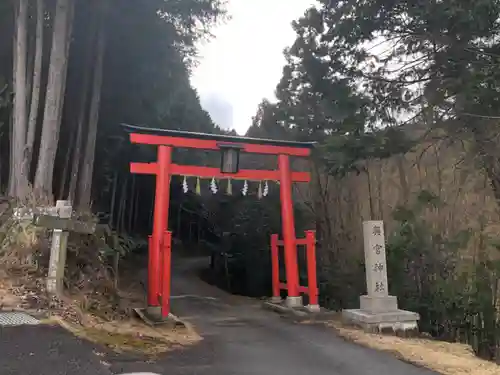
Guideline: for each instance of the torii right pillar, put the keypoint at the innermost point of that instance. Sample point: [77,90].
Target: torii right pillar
[293,299]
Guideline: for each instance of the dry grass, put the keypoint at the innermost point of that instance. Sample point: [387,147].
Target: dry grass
[442,357]
[123,335]
[129,336]
[437,167]
[118,330]
[120,333]
[89,292]
[7,299]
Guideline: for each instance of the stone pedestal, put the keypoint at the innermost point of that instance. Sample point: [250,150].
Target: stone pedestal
[400,322]
[378,310]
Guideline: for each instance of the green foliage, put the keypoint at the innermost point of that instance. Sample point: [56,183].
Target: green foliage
[456,302]
[150,52]
[110,243]
[433,63]
[242,261]
[346,153]
[317,101]
[359,77]
[147,67]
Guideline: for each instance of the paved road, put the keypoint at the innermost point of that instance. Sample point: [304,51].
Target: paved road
[44,350]
[239,338]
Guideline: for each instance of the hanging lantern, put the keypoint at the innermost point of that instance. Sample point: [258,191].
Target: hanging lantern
[230,158]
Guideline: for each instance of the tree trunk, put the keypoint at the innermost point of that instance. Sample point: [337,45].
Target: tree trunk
[30,61]
[487,150]
[69,32]
[370,196]
[55,97]
[37,78]
[380,196]
[12,180]
[113,200]
[324,224]
[82,111]
[151,211]
[123,204]
[136,210]
[1,180]
[19,189]
[69,28]
[403,181]
[120,227]
[132,206]
[64,173]
[85,186]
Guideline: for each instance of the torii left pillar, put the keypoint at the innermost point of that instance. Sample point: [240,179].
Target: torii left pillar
[160,226]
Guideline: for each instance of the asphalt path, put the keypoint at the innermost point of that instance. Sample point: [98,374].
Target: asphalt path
[239,338]
[47,350]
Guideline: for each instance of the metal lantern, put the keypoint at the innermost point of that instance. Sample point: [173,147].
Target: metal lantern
[230,158]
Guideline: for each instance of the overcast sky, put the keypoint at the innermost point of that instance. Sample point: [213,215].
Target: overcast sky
[243,63]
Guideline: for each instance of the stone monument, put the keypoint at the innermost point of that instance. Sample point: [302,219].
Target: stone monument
[378,310]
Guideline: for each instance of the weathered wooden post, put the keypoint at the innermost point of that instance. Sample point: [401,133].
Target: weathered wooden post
[59,221]
[379,310]
[58,249]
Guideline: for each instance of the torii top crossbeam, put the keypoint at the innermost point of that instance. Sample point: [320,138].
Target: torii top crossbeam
[277,145]
[230,148]
[217,142]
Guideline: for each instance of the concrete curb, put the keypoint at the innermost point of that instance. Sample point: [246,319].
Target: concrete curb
[299,314]
[172,321]
[38,314]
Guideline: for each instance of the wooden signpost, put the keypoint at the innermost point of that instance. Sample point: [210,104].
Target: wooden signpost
[58,219]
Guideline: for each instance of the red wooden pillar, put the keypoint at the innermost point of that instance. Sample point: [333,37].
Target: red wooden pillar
[160,223]
[288,223]
[166,261]
[275,267]
[312,279]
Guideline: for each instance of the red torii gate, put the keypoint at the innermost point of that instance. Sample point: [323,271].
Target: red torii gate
[230,147]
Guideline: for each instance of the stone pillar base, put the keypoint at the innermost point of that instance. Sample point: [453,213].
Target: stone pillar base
[399,322]
[154,312]
[276,300]
[151,315]
[378,304]
[313,308]
[293,302]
